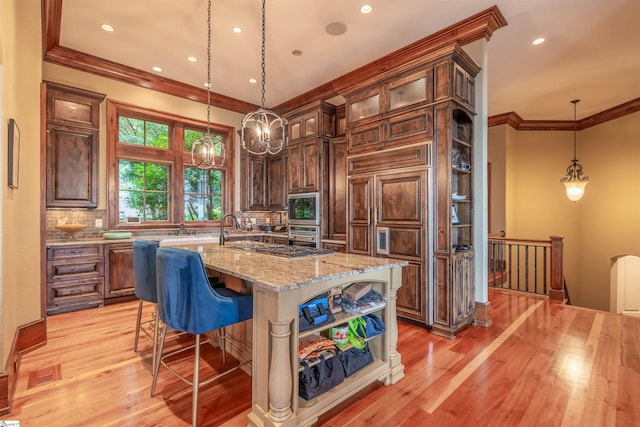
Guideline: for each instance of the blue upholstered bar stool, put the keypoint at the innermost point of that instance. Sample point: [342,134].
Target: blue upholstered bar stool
[146,288]
[188,303]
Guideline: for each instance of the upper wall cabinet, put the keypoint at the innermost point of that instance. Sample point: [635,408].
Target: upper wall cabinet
[72,146]
[393,111]
[311,121]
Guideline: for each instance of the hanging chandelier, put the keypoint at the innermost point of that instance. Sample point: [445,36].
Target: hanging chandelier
[263,131]
[207,152]
[574,182]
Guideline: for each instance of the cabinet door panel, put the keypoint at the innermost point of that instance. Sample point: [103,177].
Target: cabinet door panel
[253,194]
[310,176]
[295,164]
[360,229]
[277,182]
[72,167]
[411,302]
[119,279]
[337,188]
[401,198]
[360,240]
[405,243]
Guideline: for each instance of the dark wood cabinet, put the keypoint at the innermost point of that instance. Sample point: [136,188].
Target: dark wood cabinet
[253,190]
[388,218]
[308,166]
[311,121]
[338,188]
[409,168]
[119,282]
[75,278]
[454,291]
[277,172]
[73,128]
[72,167]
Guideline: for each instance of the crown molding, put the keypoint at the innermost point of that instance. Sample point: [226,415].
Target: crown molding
[518,123]
[476,27]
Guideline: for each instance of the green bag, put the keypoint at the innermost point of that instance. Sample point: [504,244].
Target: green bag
[357,334]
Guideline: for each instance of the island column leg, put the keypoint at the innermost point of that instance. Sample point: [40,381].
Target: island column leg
[280,373]
[395,361]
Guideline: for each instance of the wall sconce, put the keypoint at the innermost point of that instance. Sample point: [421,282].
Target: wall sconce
[574,182]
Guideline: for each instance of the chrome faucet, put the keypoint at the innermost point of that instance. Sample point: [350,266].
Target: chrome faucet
[235,221]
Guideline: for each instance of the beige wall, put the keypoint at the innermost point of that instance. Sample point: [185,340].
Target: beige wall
[601,225]
[20,59]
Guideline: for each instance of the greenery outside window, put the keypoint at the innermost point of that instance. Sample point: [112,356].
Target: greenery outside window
[150,173]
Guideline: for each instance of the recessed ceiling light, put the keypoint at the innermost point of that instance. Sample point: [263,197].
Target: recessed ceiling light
[538,41]
[106,27]
[366,9]
[253,81]
[296,52]
[156,69]
[336,29]
[192,59]
[237,30]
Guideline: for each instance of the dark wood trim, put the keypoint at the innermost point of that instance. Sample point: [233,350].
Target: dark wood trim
[31,336]
[5,406]
[476,27]
[518,123]
[483,314]
[27,337]
[43,200]
[113,70]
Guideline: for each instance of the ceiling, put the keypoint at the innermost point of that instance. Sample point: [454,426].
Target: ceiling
[591,52]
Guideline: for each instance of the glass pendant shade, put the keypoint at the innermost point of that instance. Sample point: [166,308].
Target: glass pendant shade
[575,189]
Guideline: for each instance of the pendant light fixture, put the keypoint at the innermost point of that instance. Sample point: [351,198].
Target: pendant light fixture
[574,182]
[207,152]
[263,131]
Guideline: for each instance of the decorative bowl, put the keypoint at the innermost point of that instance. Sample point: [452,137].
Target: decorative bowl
[71,229]
[115,235]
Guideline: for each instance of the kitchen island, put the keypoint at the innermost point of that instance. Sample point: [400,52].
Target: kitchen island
[279,286]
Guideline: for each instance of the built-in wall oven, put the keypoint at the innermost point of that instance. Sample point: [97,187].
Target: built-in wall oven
[304,219]
[304,235]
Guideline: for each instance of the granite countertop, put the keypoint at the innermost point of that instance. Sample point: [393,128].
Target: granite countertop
[159,237]
[281,274]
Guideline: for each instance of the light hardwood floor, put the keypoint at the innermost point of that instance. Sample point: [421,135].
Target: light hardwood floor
[539,364]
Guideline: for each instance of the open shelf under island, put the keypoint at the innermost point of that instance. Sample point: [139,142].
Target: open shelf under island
[279,286]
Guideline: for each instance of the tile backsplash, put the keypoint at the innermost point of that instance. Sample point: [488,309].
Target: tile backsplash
[89,217]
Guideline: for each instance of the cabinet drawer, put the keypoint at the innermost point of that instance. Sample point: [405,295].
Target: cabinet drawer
[72,269]
[67,252]
[338,247]
[69,295]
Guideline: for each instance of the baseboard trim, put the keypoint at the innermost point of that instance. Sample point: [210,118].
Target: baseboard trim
[483,314]
[28,337]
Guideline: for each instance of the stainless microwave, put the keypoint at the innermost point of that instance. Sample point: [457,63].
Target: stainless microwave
[304,208]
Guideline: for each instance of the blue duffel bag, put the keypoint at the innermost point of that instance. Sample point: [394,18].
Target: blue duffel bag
[314,313]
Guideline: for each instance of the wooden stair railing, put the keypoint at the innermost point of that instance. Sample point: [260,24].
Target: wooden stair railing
[527,265]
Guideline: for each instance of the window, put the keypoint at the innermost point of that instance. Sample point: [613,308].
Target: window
[150,174]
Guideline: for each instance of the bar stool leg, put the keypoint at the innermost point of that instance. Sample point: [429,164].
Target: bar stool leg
[222,343]
[196,383]
[157,364]
[138,321]
[156,327]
